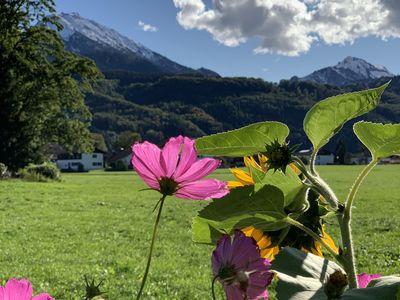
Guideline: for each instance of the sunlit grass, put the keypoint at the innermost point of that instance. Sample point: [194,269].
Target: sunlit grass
[98,224]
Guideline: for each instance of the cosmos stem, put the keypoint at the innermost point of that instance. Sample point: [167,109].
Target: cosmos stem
[213,287]
[146,272]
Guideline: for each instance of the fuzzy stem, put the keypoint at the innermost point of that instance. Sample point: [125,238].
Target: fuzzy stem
[344,220]
[151,247]
[319,184]
[355,187]
[312,163]
[314,236]
[348,258]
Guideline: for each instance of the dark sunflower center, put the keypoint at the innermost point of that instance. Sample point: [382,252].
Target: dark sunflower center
[168,186]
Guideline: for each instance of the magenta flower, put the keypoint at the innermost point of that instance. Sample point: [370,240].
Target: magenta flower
[363,279]
[237,264]
[175,170]
[20,290]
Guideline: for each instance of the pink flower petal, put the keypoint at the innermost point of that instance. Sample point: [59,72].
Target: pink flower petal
[43,296]
[188,157]
[147,156]
[364,279]
[170,155]
[145,174]
[198,170]
[18,290]
[233,292]
[242,254]
[203,190]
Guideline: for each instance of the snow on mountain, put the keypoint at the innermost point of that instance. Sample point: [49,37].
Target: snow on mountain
[75,23]
[351,69]
[112,50]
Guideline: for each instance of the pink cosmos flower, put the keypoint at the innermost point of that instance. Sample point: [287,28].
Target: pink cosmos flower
[175,170]
[20,290]
[237,264]
[363,279]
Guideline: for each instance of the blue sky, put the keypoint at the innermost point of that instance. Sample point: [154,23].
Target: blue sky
[197,46]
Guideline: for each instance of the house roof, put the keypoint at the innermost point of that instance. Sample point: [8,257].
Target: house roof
[119,155]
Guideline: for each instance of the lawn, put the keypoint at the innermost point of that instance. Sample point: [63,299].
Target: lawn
[98,224]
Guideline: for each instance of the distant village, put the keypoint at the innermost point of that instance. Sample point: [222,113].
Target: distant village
[121,160]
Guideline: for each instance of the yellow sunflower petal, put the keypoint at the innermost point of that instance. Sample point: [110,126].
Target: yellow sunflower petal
[257,235]
[250,161]
[295,169]
[263,162]
[263,241]
[269,253]
[317,250]
[242,176]
[248,230]
[327,238]
[234,184]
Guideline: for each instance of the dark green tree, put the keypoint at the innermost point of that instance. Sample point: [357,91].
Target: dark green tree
[41,85]
[125,140]
[99,142]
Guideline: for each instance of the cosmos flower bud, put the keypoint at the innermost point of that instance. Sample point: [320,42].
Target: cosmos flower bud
[336,284]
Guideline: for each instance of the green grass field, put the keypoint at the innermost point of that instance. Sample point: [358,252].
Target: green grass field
[98,224]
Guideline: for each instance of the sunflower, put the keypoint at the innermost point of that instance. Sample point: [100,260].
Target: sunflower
[269,250]
[245,178]
[264,242]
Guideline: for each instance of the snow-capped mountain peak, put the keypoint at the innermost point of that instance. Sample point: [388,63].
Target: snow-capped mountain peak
[363,67]
[96,32]
[351,69]
[114,51]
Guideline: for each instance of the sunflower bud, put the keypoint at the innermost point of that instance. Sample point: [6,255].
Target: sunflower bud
[279,155]
[336,284]
[93,290]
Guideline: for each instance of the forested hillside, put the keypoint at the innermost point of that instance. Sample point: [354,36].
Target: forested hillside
[158,106]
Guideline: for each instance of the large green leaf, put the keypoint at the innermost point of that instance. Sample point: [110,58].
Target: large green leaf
[302,276]
[244,141]
[328,116]
[382,140]
[289,183]
[260,206]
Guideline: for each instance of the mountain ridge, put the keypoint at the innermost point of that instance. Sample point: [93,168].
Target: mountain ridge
[349,70]
[114,51]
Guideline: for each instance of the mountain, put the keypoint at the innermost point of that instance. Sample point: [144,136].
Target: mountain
[113,51]
[350,70]
[159,107]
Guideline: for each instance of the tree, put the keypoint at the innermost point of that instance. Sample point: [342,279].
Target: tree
[125,140]
[41,85]
[99,143]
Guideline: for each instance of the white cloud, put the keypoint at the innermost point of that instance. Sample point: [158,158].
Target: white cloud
[290,27]
[147,27]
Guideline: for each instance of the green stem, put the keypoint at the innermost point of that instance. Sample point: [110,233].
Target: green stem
[344,220]
[146,272]
[314,236]
[348,258]
[319,184]
[312,163]
[356,185]
[213,286]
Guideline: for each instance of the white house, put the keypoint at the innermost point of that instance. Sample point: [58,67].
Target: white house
[81,162]
[324,157]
